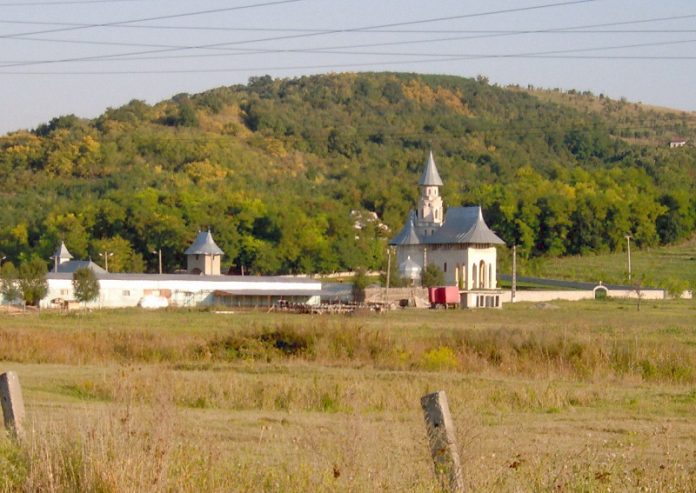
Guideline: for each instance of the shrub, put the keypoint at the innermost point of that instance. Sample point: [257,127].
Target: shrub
[441,358]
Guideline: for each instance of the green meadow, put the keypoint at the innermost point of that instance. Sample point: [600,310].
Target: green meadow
[586,396]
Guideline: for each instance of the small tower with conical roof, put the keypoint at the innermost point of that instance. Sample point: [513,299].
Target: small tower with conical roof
[203,257]
[60,256]
[430,212]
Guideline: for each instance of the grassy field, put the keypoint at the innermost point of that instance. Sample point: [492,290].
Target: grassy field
[658,267]
[587,396]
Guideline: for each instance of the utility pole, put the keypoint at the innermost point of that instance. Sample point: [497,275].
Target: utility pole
[628,246]
[106,256]
[386,291]
[159,254]
[513,289]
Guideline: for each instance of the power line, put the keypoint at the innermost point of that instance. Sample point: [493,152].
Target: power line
[65,2]
[568,30]
[280,68]
[587,28]
[155,18]
[335,51]
[278,38]
[436,56]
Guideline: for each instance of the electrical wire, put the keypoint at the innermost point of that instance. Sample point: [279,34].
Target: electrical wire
[154,18]
[65,2]
[277,38]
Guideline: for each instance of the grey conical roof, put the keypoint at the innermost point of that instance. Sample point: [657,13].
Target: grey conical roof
[430,176]
[204,245]
[407,235]
[62,252]
[464,225]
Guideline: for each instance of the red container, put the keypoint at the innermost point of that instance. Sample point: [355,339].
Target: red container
[443,295]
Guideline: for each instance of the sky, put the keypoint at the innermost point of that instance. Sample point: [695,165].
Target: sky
[80,57]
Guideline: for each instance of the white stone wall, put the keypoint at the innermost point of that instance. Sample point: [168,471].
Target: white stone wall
[576,295]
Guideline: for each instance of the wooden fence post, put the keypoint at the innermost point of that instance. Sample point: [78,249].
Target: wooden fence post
[443,444]
[12,404]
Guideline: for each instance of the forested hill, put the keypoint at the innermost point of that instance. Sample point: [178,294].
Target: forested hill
[275,167]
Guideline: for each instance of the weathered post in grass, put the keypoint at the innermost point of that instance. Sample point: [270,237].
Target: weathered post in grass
[12,404]
[443,444]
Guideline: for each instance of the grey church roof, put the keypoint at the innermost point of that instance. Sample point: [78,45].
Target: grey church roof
[204,245]
[430,176]
[464,225]
[407,235]
[71,266]
[62,252]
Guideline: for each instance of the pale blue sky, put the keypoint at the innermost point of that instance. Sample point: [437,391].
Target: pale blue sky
[59,57]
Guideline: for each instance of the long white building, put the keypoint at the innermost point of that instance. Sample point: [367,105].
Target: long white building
[118,290]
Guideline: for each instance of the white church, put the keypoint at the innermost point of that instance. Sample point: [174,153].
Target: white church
[457,241]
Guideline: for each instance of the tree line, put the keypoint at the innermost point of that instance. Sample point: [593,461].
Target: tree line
[275,167]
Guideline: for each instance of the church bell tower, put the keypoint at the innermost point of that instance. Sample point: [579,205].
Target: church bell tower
[430,212]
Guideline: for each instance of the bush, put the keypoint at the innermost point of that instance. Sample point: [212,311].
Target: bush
[441,358]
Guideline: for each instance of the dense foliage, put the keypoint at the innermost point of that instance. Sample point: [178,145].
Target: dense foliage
[275,167]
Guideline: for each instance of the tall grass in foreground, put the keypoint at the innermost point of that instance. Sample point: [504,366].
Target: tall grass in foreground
[502,351]
[145,441]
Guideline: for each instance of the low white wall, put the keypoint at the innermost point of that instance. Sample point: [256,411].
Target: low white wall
[550,295]
[538,296]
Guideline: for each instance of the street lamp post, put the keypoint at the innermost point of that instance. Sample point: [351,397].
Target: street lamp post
[628,249]
[159,255]
[106,256]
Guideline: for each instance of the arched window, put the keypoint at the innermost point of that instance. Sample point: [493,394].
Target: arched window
[474,278]
[444,267]
[482,275]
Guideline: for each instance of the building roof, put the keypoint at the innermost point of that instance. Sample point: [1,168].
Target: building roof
[464,225]
[204,245]
[122,276]
[225,293]
[73,265]
[407,235]
[62,252]
[430,176]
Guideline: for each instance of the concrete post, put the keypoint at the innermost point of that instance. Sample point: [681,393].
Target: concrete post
[443,445]
[513,289]
[12,404]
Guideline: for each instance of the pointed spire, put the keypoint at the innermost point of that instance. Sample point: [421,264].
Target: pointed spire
[204,245]
[430,176]
[62,252]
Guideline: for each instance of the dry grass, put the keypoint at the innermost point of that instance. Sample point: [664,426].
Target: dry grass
[587,397]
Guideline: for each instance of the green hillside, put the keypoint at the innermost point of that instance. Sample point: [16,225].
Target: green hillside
[672,267]
[274,168]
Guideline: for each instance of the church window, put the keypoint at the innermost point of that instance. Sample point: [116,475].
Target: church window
[444,268]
